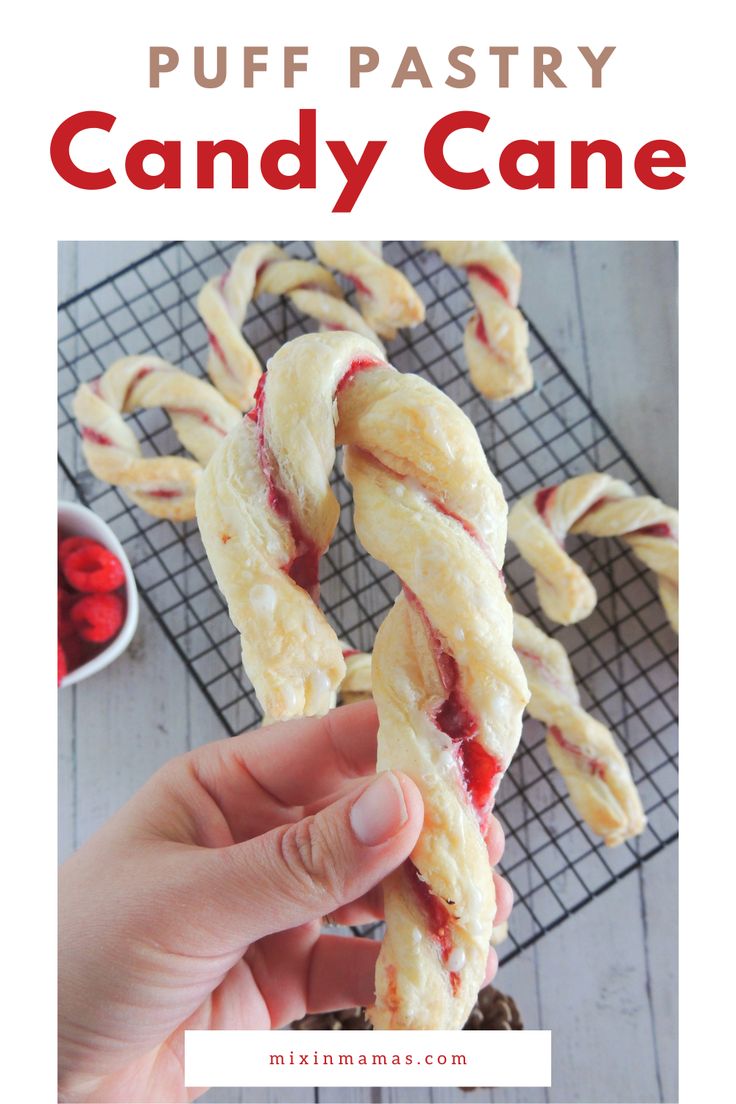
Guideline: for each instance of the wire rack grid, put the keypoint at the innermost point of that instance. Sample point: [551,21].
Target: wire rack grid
[624,654]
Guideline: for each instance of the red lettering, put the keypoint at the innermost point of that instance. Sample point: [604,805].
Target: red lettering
[544,174]
[304,150]
[434,150]
[580,155]
[61,156]
[356,173]
[206,154]
[659,154]
[170,174]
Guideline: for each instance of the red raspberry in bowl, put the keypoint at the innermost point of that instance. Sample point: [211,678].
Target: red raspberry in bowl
[98,617]
[62,668]
[93,569]
[64,623]
[73,544]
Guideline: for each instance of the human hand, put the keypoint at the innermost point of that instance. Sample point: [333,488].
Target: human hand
[199,904]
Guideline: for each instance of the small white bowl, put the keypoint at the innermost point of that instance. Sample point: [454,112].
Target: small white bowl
[77,521]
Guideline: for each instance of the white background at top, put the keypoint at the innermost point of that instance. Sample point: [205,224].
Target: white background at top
[645,95]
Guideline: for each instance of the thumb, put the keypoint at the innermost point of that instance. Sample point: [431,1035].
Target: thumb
[302,871]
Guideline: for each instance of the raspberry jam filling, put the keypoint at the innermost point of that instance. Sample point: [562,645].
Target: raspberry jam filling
[480,331]
[440,506]
[360,364]
[479,771]
[542,501]
[595,766]
[359,285]
[139,375]
[303,567]
[489,277]
[392,994]
[346,652]
[437,917]
[547,673]
[163,492]
[195,412]
[217,348]
[461,521]
[94,437]
[659,529]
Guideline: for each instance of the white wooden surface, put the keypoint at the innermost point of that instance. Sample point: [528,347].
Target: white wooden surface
[605,980]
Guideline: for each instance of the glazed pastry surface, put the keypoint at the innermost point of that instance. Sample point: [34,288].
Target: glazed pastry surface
[496,334]
[583,750]
[162,485]
[601,506]
[263,268]
[386,299]
[449,688]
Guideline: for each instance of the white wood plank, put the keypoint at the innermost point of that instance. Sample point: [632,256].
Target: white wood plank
[629,305]
[603,1045]
[659,879]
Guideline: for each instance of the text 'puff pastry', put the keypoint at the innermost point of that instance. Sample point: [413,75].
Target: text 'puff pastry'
[449,688]
[601,506]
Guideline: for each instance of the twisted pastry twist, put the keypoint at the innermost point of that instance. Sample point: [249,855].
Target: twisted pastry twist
[162,485]
[357,685]
[583,750]
[264,268]
[386,299]
[448,686]
[603,507]
[496,334]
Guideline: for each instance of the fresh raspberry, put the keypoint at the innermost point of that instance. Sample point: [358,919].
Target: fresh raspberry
[73,544]
[66,601]
[98,617]
[93,570]
[76,650]
[66,598]
[62,665]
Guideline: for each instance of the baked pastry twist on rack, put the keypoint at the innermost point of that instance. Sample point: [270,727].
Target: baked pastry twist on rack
[601,506]
[386,299]
[449,689]
[264,268]
[357,684]
[583,750]
[496,334]
[162,485]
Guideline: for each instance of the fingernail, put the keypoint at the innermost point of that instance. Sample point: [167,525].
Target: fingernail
[380,811]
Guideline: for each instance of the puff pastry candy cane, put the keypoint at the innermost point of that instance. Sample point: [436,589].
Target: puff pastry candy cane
[201,417]
[386,299]
[602,507]
[496,334]
[448,686]
[356,686]
[583,750]
[264,268]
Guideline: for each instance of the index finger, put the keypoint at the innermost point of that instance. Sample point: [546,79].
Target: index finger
[292,763]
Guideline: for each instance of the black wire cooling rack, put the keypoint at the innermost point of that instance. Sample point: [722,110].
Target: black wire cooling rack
[624,655]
